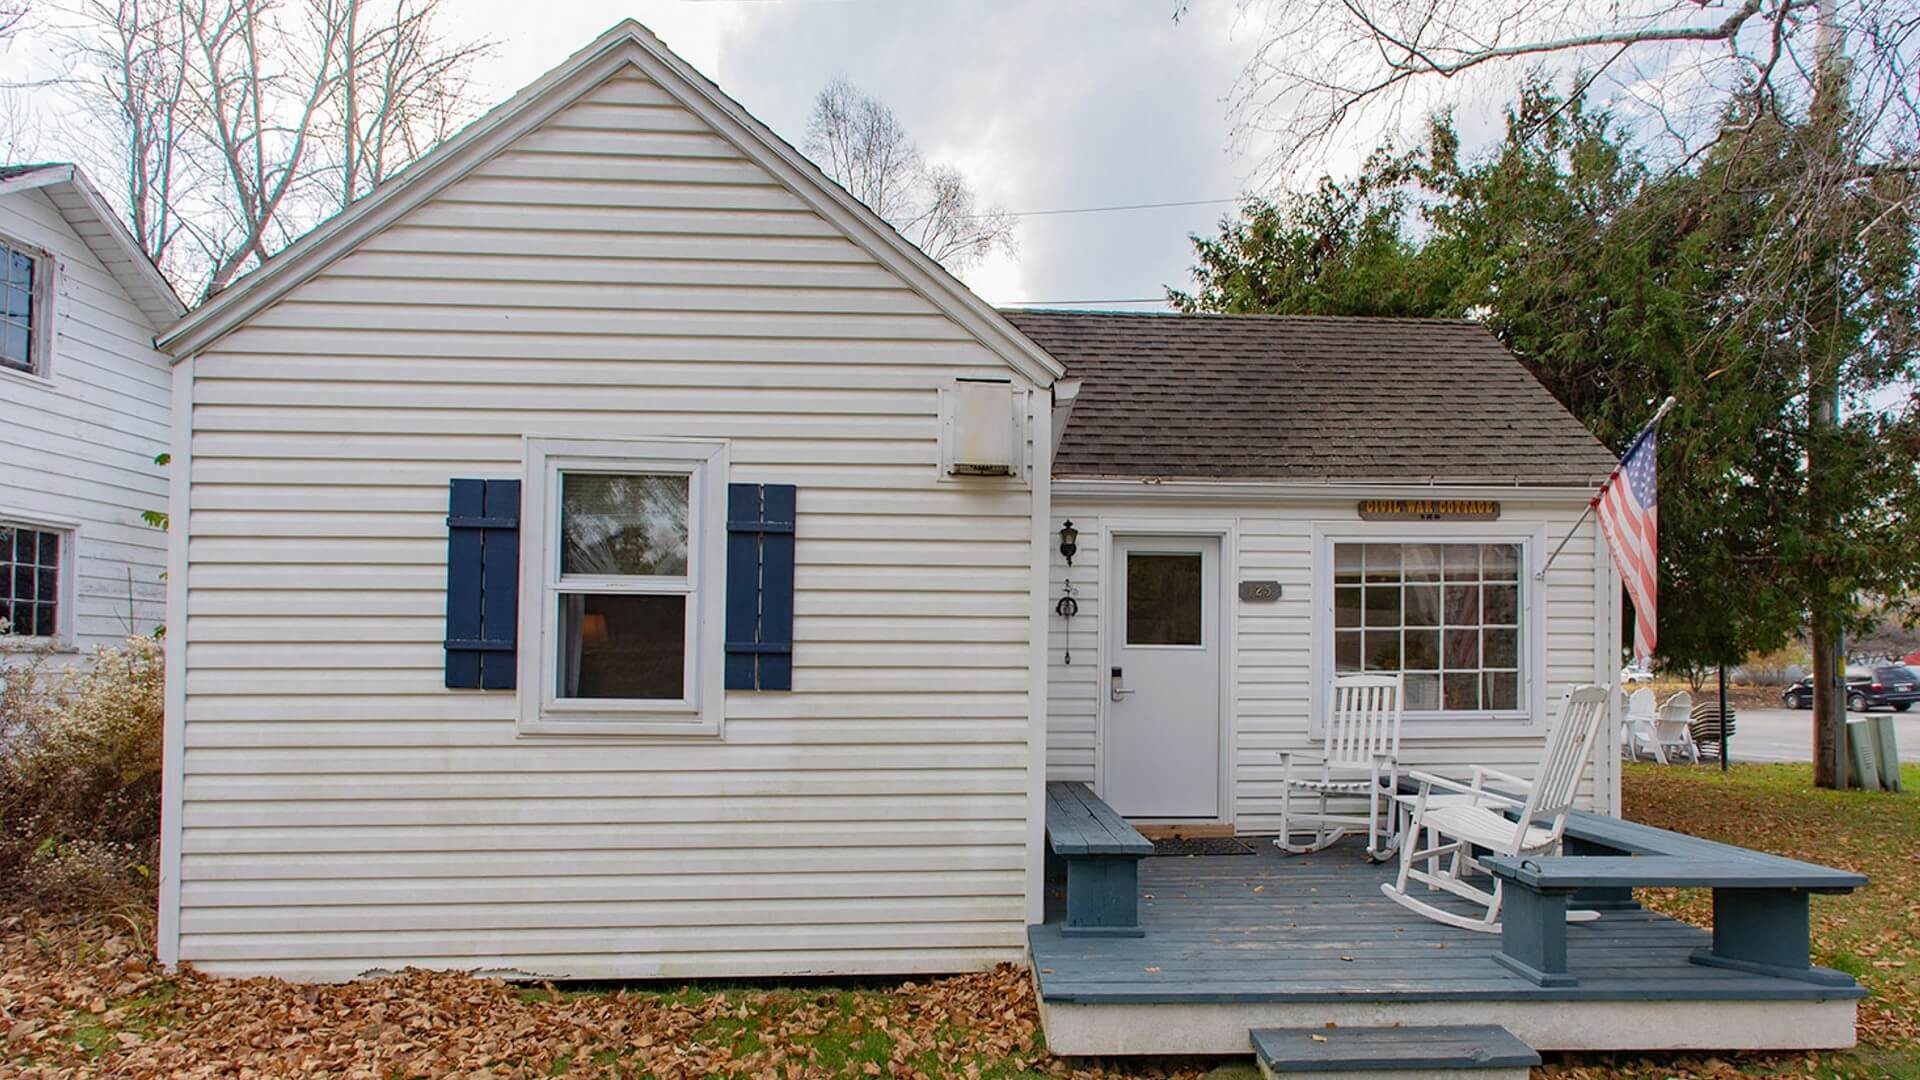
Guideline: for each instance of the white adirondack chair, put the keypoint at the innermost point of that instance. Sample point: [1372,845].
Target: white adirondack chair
[1673,731]
[1640,726]
[1475,817]
[1359,758]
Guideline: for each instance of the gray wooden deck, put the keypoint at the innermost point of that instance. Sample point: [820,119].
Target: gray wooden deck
[1270,927]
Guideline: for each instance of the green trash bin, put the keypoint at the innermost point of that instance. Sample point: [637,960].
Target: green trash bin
[1886,748]
[1863,759]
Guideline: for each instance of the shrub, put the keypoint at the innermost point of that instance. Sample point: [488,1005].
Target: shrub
[80,752]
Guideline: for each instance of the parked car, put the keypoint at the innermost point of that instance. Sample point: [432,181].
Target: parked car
[1635,673]
[1891,685]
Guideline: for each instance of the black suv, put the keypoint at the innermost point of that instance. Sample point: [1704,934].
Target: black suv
[1895,687]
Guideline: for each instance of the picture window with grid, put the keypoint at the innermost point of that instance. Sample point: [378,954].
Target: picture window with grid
[1446,615]
[29,582]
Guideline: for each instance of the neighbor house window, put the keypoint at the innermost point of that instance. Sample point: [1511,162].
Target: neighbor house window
[626,542]
[1446,615]
[23,308]
[30,565]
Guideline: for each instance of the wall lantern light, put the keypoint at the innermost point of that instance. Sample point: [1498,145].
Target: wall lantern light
[1069,541]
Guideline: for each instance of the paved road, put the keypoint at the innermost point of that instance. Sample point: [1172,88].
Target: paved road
[1787,734]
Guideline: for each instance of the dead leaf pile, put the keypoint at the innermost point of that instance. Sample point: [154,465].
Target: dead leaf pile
[86,1000]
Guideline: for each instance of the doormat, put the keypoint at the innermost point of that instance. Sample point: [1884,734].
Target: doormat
[1200,845]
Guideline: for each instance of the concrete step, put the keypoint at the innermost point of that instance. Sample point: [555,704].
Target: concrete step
[1466,1052]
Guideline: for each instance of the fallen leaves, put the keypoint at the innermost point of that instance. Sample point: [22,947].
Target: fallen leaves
[75,1000]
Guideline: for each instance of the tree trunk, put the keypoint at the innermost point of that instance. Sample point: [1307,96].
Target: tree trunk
[1824,613]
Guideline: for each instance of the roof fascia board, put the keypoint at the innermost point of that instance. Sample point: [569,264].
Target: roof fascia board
[170,306]
[626,43]
[149,278]
[831,201]
[313,253]
[1094,489]
[37,178]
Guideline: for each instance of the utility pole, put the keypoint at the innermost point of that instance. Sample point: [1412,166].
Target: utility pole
[1825,617]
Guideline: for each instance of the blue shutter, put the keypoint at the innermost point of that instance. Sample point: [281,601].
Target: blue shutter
[483,583]
[759,630]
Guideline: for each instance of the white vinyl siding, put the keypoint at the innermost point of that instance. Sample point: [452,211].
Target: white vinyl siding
[617,274]
[81,433]
[1271,648]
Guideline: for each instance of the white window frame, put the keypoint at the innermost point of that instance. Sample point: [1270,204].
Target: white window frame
[41,312]
[63,616]
[542,711]
[1439,723]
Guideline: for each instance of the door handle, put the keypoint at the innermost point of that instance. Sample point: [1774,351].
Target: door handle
[1117,687]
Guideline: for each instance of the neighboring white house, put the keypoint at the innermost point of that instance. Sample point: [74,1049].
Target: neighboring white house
[611,551]
[85,400]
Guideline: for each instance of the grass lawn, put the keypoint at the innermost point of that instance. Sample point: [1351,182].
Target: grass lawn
[80,997]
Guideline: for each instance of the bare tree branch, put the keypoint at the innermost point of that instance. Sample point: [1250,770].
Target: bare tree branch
[242,123]
[1331,73]
[859,142]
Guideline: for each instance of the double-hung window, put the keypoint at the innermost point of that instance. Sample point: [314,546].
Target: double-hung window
[31,581]
[624,543]
[25,277]
[1449,616]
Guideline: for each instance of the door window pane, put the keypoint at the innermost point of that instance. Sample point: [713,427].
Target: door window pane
[629,647]
[1163,598]
[623,524]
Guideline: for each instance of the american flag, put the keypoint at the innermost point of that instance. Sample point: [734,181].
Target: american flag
[1629,507]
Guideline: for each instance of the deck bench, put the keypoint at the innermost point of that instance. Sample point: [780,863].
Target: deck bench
[1102,856]
[1760,917]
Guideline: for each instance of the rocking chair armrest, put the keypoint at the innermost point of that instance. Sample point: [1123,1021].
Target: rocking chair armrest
[1483,772]
[1306,756]
[1429,781]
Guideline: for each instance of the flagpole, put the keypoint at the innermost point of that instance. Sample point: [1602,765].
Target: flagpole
[1540,574]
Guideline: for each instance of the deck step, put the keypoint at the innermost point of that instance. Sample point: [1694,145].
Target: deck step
[1479,1052]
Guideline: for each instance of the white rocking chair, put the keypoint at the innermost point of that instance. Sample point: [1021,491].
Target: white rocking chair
[1475,818]
[1359,758]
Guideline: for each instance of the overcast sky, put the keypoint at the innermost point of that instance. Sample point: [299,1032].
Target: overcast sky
[1044,106]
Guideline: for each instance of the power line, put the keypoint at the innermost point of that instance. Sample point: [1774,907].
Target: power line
[1127,206]
[1071,303]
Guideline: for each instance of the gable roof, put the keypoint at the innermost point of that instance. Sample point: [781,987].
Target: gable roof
[1283,397]
[627,43]
[86,212]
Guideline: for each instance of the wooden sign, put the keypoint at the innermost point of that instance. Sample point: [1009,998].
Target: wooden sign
[1429,510]
[1259,592]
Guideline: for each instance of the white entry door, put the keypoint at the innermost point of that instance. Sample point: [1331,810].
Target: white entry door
[1162,737]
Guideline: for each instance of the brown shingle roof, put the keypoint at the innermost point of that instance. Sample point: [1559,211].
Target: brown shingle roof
[1289,397]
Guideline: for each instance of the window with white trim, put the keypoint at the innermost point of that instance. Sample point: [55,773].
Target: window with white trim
[30,581]
[25,280]
[623,542]
[1447,615]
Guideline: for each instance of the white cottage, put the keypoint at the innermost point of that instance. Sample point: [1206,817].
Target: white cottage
[611,551]
[85,400]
